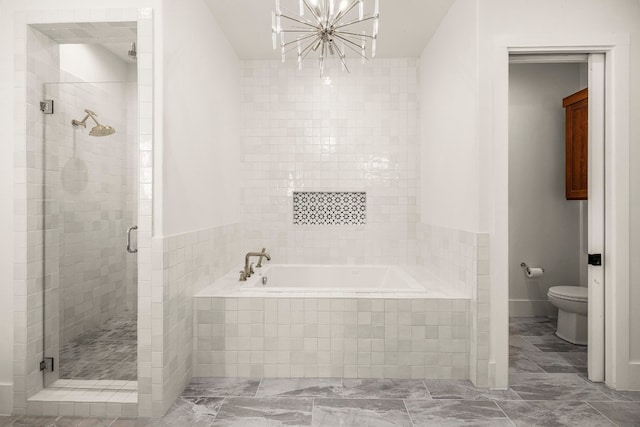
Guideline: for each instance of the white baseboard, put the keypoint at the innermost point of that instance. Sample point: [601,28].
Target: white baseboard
[6,398]
[531,308]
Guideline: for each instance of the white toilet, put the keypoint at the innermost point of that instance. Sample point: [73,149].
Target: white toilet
[572,312]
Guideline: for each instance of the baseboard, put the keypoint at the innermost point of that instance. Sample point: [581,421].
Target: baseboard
[6,398]
[531,308]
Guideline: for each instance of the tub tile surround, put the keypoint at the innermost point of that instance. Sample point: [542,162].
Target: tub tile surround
[303,133]
[320,337]
[36,62]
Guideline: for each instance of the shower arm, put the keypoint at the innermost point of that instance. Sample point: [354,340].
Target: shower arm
[83,122]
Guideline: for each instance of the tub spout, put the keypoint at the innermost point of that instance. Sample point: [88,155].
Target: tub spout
[248,268]
[264,255]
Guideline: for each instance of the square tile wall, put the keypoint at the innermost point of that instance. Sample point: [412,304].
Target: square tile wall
[183,265]
[304,133]
[461,259]
[331,337]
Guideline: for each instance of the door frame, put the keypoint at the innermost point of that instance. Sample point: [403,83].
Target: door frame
[620,373]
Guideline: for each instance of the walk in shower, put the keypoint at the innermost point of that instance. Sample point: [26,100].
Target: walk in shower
[90,202]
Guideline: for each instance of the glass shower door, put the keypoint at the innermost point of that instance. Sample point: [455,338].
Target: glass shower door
[90,200]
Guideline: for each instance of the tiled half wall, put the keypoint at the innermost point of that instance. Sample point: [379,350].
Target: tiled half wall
[338,337]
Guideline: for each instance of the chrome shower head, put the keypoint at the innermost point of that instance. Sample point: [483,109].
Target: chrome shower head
[98,129]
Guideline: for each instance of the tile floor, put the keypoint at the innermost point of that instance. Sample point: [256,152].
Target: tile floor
[548,388]
[108,352]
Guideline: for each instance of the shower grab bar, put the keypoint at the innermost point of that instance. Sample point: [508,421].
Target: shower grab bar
[131,251]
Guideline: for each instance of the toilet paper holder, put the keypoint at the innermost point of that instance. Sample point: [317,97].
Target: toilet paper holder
[527,269]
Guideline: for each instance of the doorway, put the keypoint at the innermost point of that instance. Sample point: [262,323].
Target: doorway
[547,232]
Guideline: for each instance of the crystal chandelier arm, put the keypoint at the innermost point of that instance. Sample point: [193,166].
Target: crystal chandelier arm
[298,40]
[346,33]
[313,11]
[351,47]
[341,56]
[355,21]
[344,11]
[298,21]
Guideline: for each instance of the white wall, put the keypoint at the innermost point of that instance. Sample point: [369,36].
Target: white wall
[449,189]
[544,227]
[94,63]
[201,150]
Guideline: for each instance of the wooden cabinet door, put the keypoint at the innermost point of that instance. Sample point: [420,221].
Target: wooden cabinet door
[576,134]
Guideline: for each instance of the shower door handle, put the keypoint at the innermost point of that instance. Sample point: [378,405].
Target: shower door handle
[131,251]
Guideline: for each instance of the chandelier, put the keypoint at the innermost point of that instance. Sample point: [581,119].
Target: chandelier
[327,28]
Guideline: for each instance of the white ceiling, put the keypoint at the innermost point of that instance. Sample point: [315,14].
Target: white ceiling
[405,25]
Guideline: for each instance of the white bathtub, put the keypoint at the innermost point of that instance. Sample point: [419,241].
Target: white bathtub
[331,278]
[307,280]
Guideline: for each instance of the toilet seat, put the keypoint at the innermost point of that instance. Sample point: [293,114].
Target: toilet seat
[569,293]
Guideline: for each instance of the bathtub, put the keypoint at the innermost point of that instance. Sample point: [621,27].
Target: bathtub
[331,321]
[300,280]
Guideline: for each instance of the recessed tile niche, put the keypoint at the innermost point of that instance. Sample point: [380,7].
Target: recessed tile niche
[329,208]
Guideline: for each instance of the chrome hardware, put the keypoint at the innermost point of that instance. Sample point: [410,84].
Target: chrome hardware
[248,268]
[129,230]
[243,276]
[264,280]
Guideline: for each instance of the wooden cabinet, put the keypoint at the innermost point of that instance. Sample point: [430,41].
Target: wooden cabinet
[576,135]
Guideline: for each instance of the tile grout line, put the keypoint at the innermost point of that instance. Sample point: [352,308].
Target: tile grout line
[596,409]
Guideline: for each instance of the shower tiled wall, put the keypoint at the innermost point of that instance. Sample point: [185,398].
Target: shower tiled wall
[306,133]
[90,204]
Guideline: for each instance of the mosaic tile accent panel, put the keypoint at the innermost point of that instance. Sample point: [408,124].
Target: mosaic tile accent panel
[329,208]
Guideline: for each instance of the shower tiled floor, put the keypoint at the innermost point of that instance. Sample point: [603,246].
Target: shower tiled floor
[547,389]
[108,352]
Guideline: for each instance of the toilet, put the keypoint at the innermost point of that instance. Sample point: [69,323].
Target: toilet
[572,304]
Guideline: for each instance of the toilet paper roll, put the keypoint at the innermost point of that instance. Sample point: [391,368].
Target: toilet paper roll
[533,272]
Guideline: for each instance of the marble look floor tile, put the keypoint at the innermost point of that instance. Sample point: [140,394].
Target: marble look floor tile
[465,390]
[83,422]
[193,411]
[553,413]
[222,387]
[518,344]
[623,414]
[245,412]
[558,360]
[528,326]
[551,343]
[6,421]
[28,421]
[617,395]
[134,422]
[520,363]
[300,387]
[456,413]
[384,389]
[360,413]
[533,386]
